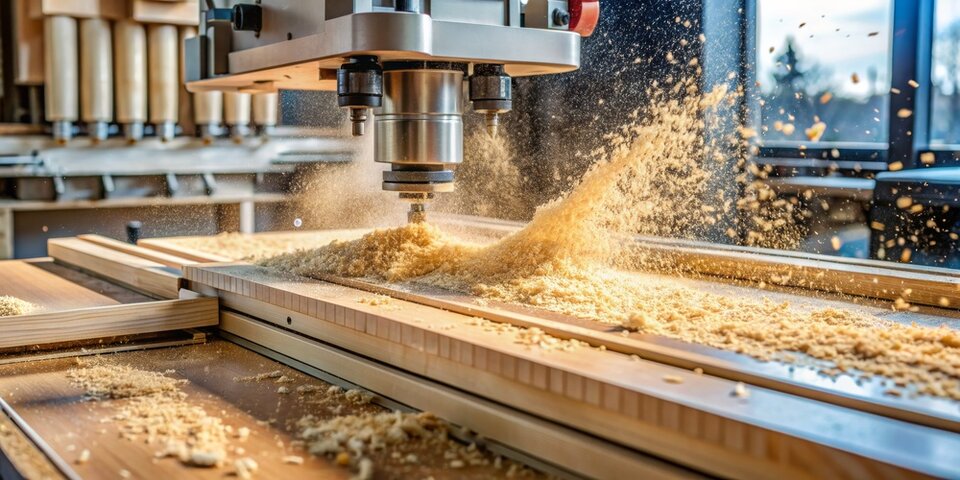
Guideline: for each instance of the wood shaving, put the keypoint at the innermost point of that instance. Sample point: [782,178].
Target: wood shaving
[353,440]
[675,379]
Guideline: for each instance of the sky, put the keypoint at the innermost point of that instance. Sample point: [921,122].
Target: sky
[844,52]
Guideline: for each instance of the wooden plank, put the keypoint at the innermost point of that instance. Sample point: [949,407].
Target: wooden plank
[166,246]
[110,321]
[848,276]
[574,451]
[927,288]
[601,392]
[868,397]
[146,253]
[138,273]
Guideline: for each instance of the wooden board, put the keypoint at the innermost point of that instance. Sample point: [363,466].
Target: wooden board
[152,255]
[111,321]
[846,390]
[147,276]
[847,276]
[696,422]
[797,379]
[55,287]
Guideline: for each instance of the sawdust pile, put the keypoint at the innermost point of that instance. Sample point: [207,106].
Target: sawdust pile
[155,411]
[411,439]
[10,306]
[645,183]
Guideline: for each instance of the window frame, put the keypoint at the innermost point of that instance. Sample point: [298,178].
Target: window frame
[911,53]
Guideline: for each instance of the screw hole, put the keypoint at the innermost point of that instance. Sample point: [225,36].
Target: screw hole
[289,36]
[289,321]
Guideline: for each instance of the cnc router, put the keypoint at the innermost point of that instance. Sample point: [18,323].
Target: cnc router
[404,61]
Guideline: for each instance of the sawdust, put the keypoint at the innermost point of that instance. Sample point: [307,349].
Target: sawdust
[155,410]
[395,437]
[645,183]
[10,306]
[488,181]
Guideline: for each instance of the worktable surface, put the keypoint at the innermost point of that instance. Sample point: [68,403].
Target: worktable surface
[42,394]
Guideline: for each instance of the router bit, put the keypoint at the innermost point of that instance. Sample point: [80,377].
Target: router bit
[418,206]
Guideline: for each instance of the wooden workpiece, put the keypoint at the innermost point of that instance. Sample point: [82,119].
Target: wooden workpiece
[601,392]
[73,306]
[141,274]
[804,380]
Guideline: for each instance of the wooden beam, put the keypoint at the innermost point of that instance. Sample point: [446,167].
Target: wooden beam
[110,321]
[137,273]
[732,367]
[165,245]
[137,251]
[851,278]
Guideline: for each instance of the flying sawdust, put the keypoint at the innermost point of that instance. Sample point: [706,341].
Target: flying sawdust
[647,182]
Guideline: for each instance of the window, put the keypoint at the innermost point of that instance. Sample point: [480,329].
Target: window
[823,71]
[945,75]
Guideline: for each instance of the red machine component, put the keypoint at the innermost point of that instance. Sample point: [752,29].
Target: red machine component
[584,16]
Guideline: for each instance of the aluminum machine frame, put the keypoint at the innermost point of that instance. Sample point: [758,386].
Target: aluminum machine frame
[405,60]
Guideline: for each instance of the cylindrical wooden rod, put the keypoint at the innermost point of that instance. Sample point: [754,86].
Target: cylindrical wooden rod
[163,73]
[96,76]
[130,48]
[61,74]
[265,109]
[208,108]
[236,113]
